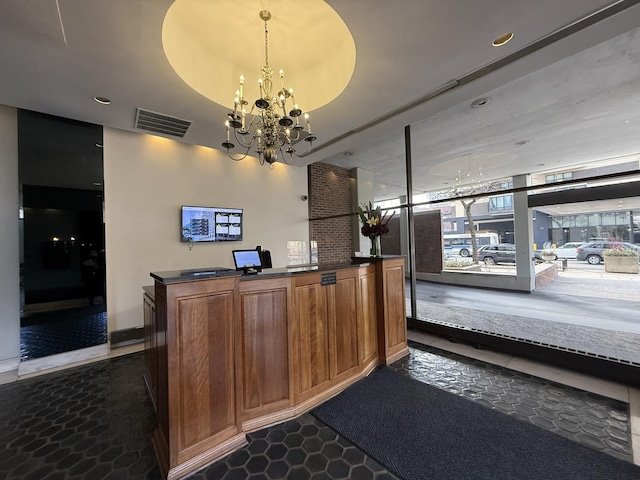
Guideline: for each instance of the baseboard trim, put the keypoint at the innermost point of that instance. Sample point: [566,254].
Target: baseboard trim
[9,365]
[65,359]
[126,336]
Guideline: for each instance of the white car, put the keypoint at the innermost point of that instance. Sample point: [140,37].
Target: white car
[568,250]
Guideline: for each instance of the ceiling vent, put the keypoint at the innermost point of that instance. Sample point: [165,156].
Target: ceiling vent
[161,123]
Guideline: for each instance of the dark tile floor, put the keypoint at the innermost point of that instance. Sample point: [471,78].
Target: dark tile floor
[49,333]
[599,422]
[95,421]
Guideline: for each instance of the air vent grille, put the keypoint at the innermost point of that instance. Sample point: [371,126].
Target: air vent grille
[161,123]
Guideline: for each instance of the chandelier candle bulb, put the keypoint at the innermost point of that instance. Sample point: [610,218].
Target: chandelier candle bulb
[226,124]
[241,87]
[260,85]
[282,78]
[306,117]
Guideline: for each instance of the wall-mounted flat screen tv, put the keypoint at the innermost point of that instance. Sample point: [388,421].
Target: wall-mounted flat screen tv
[211,224]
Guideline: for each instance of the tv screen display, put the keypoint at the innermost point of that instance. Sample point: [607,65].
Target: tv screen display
[247,259]
[211,224]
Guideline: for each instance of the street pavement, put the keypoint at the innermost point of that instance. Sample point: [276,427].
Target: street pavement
[588,311]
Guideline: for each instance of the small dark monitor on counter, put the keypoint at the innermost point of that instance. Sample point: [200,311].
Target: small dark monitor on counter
[265,257]
[248,261]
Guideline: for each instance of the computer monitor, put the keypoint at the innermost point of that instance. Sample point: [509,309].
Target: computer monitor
[247,260]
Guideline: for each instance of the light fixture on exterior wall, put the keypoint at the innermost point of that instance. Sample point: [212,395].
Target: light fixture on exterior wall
[272,124]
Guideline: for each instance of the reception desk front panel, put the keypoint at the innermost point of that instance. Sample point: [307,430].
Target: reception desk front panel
[263,347]
[231,354]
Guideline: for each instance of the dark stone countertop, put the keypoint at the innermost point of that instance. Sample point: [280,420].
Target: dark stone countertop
[194,274]
[190,274]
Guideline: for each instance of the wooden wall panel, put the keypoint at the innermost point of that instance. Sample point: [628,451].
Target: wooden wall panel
[392,317]
[344,323]
[205,358]
[312,337]
[162,358]
[395,304]
[150,346]
[367,333]
[264,350]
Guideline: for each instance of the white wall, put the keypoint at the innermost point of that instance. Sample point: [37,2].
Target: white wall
[9,241]
[148,178]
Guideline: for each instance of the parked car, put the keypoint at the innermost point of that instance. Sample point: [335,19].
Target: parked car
[567,250]
[497,253]
[592,252]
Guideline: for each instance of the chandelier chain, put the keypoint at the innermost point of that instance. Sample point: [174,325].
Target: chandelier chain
[266,44]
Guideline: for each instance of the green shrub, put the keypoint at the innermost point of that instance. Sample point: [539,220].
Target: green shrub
[456,263]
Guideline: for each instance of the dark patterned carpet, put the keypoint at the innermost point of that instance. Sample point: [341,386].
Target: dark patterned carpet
[50,333]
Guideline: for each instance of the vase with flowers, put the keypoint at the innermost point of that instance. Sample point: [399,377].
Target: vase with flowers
[374,225]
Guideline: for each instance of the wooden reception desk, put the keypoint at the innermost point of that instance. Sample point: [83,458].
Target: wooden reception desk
[228,354]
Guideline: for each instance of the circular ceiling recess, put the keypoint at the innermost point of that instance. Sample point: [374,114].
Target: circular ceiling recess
[210,44]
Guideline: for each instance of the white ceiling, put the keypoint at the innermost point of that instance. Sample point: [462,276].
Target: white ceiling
[575,100]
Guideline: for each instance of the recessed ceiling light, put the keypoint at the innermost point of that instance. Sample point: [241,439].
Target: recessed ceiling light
[348,154]
[522,142]
[481,102]
[502,39]
[102,100]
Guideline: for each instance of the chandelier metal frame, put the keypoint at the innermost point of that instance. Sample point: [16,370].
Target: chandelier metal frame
[271,132]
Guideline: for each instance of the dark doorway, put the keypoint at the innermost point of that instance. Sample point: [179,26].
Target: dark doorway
[63,304]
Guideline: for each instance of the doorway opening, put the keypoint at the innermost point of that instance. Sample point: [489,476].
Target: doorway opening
[62,275]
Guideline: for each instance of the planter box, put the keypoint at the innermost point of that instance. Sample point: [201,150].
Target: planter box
[620,264]
[467,268]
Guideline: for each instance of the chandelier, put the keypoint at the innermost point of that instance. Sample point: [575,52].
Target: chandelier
[272,124]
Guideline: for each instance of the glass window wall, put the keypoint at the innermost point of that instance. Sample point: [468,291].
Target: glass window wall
[463,221]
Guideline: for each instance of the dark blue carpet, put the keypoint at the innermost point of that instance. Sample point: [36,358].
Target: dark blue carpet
[420,432]
[51,333]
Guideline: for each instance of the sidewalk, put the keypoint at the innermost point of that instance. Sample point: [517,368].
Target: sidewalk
[590,283]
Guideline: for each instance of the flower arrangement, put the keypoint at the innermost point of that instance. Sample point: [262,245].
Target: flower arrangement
[374,225]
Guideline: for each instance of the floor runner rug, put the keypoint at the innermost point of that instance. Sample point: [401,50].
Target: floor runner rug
[420,432]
